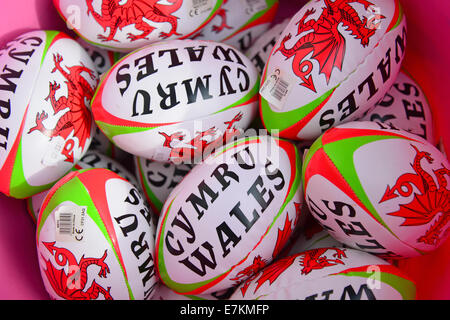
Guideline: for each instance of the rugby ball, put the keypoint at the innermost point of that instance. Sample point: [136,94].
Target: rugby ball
[328,274]
[379,189]
[165,102]
[405,106]
[240,23]
[333,62]
[128,25]
[230,215]
[95,239]
[259,51]
[48,82]
[157,179]
[92,159]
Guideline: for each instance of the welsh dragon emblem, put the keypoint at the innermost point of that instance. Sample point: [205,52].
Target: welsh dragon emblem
[203,143]
[324,40]
[70,285]
[314,259]
[251,272]
[431,204]
[117,14]
[221,26]
[77,117]
[222,13]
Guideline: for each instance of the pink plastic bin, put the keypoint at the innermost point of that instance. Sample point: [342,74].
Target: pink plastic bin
[427,59]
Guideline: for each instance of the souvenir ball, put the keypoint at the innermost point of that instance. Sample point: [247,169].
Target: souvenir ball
[128,25]
[334,61]
[95,239]
[230,216]
[378,189]
[166,102]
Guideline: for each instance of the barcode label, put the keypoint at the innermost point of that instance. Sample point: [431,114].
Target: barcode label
[281,89]
[199,3]
[254,6]
[276,89]
[66,223]
[200,6]
[70,223]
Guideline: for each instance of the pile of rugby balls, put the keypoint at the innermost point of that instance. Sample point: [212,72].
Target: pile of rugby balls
[224,154]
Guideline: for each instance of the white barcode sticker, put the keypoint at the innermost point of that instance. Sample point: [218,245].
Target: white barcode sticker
[276,89]
[70,223]
[255,6]
[201,6]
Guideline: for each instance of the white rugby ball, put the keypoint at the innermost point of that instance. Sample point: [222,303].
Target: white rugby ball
[379,189]
[240,23]
[406,107]
[328,274]
[175,101]
[334,61]
[230,215]
[157,179]
[49,80]
[128,25]
[95,239]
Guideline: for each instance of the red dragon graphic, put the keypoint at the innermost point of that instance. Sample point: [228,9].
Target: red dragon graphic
[222,13]
[431,202]
[77,118]
[251,272]
[322,38]
[311,260]
[70,285]
[116,16]
[199,145]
